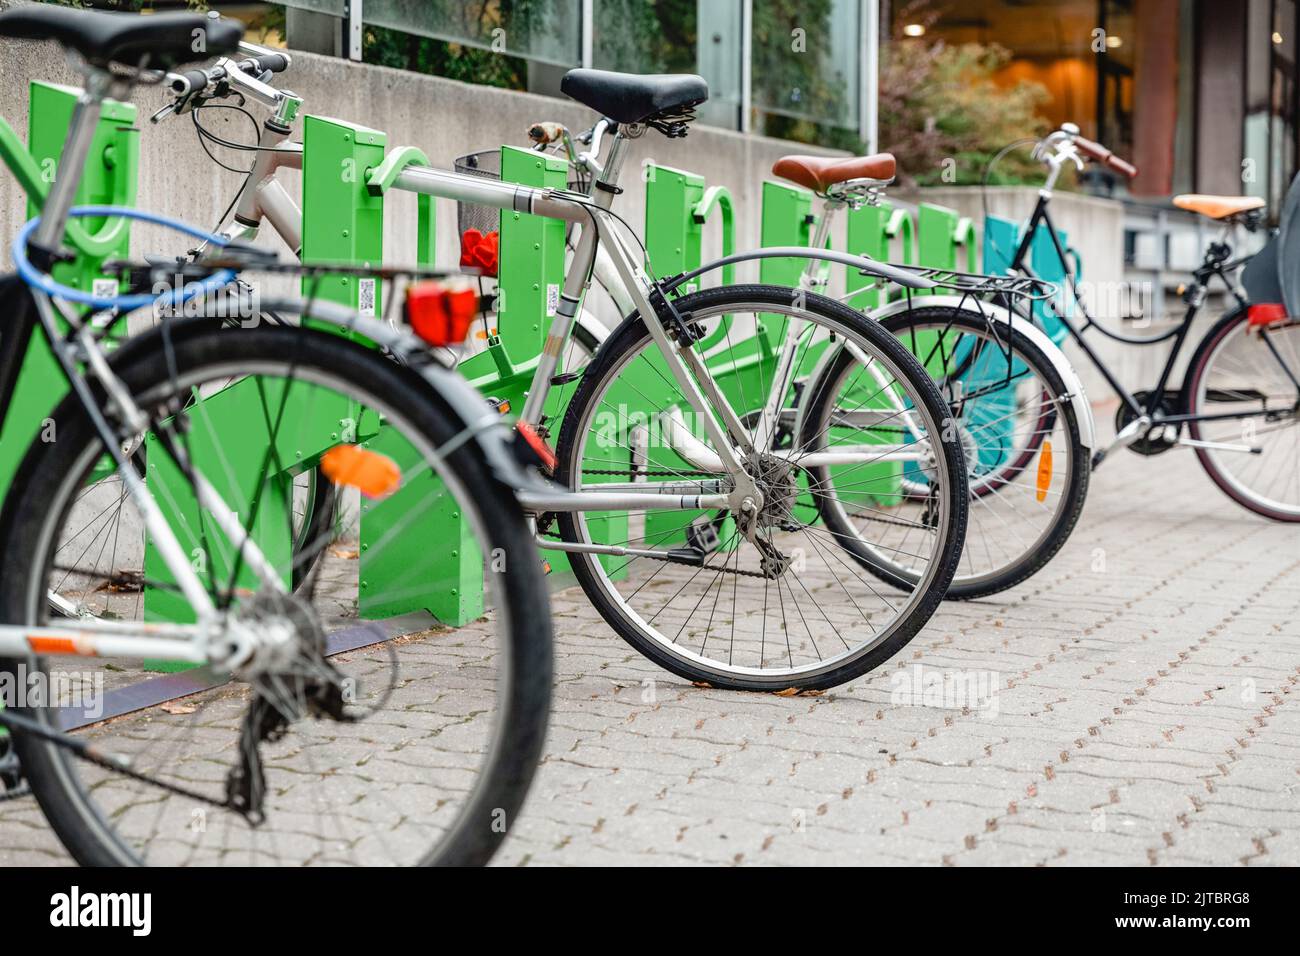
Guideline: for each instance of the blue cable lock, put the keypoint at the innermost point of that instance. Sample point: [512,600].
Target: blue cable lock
[126,303]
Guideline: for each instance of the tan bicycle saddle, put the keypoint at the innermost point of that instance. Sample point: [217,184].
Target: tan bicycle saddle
[818,173]
[1218,207]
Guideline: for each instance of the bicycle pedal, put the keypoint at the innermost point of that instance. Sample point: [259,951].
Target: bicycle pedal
[690,556]
[703,537]
[1097,457]
[546,566]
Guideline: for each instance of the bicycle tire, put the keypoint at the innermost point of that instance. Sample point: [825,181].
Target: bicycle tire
[1196,371]
[1053,538]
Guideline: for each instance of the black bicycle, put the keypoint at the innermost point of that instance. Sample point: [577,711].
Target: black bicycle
[1239,403]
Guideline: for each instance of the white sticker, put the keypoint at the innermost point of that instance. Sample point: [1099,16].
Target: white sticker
[552,299]
[366,297]
[103,288]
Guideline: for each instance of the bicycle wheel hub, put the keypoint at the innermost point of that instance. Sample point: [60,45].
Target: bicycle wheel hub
[777,482]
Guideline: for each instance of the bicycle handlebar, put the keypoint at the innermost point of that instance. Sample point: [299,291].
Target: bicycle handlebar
[1101,154]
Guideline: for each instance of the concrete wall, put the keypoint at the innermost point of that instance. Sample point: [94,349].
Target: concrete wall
[443,117]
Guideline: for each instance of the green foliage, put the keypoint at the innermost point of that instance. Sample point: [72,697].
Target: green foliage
[646,36]
[406,51]
[789,85]
[940,106]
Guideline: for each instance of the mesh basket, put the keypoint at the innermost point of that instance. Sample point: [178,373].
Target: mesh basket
[477,220]
[471,215]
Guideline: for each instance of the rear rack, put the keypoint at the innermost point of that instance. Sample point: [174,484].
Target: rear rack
[974,283]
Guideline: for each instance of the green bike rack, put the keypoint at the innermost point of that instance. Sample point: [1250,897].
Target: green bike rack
[109,178]
[878,232]
[343,223]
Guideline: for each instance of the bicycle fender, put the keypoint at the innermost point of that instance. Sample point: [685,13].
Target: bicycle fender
[1069,377]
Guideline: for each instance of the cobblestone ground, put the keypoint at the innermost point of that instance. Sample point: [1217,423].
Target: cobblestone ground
[1136,703]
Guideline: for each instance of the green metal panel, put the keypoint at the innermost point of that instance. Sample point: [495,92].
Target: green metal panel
[532,255]
[109,178]
[880,232]
[342,221]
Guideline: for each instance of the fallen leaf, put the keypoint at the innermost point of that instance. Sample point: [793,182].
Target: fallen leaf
[178,709]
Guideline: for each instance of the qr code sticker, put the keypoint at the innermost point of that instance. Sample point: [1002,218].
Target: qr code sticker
[552,299]
[366,297]
[103,288]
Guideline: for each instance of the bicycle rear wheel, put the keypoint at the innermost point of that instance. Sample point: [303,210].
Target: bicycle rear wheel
[353,743]
[1243,387]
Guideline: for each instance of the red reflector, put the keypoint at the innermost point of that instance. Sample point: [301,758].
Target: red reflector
[1266,313]
[480,252]
[439,315]
[538,445]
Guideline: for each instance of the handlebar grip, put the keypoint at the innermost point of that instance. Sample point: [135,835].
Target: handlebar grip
[544,133]
[269,62]
[191,81]
[1104,156]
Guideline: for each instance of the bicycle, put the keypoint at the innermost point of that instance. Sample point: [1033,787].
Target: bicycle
[1240,396]
[674,486]
[288,738]
[1011,394]
[1014,404]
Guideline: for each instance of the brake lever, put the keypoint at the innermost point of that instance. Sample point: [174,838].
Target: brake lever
[163,113]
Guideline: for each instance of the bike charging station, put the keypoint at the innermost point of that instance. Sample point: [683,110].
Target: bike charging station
[346,175]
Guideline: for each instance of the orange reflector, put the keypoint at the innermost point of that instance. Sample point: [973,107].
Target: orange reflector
[373,474]
[1044,470]
[57,645]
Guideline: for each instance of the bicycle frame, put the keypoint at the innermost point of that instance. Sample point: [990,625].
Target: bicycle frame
[1215,264]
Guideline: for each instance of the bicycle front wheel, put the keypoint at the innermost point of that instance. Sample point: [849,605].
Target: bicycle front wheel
[345,741]
[770,601]
[1243,391]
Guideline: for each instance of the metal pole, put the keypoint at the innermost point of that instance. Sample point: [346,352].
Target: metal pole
[869,77]
[746,64]
[352,29]
[588,30]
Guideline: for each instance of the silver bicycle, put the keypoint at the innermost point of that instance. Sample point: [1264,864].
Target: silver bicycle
[688,502]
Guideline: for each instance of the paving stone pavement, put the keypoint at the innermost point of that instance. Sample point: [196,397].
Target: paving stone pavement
[1135,703]
[1143,708]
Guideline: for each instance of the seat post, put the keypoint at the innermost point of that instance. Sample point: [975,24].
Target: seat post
[72,160]
[813,273]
